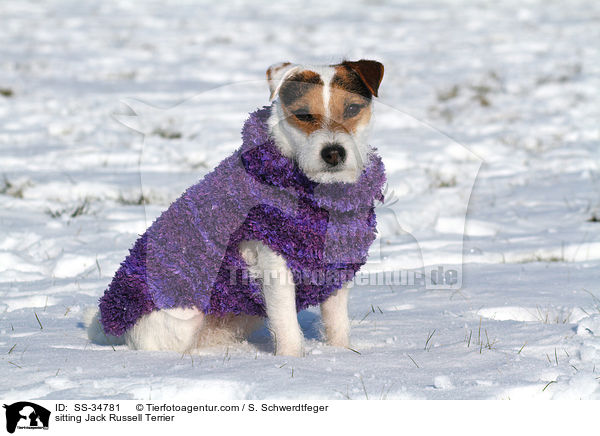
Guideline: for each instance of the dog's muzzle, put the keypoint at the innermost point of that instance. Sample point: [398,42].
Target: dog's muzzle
[333,154]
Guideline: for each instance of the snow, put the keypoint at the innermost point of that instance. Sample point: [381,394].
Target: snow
[442,382]
[487,123]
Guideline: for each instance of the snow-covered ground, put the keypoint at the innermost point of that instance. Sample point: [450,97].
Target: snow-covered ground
[490,104]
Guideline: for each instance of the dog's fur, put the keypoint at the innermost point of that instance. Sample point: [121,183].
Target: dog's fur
[321,118]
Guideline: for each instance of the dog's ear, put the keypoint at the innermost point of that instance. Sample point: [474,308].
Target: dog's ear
[370,72]
[276,74]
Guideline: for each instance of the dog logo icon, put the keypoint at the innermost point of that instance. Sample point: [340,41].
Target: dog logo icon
[25,415]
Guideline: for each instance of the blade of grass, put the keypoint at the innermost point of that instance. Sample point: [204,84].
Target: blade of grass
[364,317]
[38,320]
[413,360]
[364,387]
[429,336]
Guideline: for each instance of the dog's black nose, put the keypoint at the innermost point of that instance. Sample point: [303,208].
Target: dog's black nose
[333,154]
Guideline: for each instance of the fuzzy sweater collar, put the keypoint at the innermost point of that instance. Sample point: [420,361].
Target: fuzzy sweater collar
[263,160]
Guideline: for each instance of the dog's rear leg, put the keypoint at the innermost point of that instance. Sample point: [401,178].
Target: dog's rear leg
[96,332]
[166,329]
[279,292]
[334,312]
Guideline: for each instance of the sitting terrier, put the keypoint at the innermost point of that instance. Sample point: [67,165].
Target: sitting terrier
[282,224]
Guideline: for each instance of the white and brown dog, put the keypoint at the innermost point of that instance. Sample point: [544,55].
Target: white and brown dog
[320,119]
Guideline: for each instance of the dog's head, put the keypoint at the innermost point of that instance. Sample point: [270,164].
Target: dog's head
[322,114]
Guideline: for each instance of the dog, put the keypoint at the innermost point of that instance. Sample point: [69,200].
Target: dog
[282,224]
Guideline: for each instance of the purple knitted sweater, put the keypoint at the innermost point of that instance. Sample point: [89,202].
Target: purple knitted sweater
[189,256]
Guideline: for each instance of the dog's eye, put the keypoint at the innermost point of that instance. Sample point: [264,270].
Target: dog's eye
[352,110]
[304,117]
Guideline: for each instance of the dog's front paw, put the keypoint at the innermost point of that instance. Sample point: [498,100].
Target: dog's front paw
[290,347]
[292,352]
[338,339]
[338,335]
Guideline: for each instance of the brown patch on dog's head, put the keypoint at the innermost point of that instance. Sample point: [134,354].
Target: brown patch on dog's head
[275,75]
[301,97]
[349,94]
[350,101]
[370,73]
[274,69]
[347,111]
